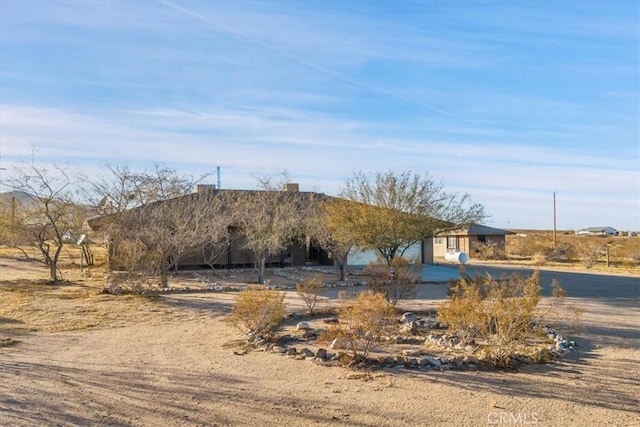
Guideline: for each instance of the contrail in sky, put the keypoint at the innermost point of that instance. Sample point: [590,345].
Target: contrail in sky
[337,76]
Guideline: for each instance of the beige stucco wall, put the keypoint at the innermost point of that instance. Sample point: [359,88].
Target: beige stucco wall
[465,244]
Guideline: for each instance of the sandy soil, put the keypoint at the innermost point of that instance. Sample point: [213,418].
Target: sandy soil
[170,361]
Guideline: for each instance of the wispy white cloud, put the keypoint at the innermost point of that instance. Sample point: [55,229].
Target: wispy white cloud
[323,149]
[509,101]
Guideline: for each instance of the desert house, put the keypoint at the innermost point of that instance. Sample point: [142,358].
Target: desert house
[467,238]
[597,231]
[237,255]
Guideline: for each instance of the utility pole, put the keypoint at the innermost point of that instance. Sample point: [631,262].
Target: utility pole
[554,219]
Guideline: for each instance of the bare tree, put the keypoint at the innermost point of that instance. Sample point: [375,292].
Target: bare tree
[122,187]
[396,281]
[155,238]
[271,219]
[153,219]
[47,216]
[364,321]
[311,291]
[327,230]
[390,212]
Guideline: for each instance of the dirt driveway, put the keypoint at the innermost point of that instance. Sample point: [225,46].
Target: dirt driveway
[173,365]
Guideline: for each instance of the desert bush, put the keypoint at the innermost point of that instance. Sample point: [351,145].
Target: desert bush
[590,253]
[461,313]
[364,320]
[311,291]
[574,248]
[632,260]
[257,312]
[539,258]
[501,314]
[562,252]
[396,281]
[488,250]
[527,247]
[130,283]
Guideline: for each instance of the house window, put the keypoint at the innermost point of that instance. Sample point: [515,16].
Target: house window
[452,243]
[438,240]
[482,239]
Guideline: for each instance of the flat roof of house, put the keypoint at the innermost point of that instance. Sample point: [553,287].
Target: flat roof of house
[479,230]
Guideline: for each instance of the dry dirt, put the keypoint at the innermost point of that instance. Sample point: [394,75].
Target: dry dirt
[69,356]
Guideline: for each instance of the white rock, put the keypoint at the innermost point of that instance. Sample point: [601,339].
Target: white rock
[305,352]
[433,361]
[409,317]
[303,326]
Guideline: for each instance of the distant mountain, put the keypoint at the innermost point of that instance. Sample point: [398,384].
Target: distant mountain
[20,197]
[23,198]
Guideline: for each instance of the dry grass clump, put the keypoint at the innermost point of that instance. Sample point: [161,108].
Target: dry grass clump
[311,291]
[28,302]
[499,315]
[396,281]
[363,322]
[539,259]
[562,252]
[605,253]
[26,306]
[257,312]
[489,251]
[591,252]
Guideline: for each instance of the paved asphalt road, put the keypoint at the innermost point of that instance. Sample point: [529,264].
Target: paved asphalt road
[621,290]
[615,290]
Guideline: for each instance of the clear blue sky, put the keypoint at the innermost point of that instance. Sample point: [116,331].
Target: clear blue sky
[508,101]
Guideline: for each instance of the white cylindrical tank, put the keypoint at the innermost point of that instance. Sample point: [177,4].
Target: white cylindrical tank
[457,257]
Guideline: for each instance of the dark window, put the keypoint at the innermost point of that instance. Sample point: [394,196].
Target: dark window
[482,239]
[452,242]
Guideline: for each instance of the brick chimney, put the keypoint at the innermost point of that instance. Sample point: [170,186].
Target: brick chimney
[292,187]
[202,188]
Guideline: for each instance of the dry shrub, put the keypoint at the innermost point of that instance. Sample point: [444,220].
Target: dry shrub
[632,260]
[591,252]
[527,247]
[257,312]
[489,250]
[396,281]
[562,252]
[130,283]
[539,258]
[575,248]
[363,322]
[501,314]
[311,291]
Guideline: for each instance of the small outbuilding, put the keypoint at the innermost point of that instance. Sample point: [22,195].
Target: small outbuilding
[466,239]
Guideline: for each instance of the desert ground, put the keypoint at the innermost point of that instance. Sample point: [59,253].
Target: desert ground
[70,356]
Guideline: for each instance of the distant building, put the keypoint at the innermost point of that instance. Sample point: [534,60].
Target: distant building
[597,231]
